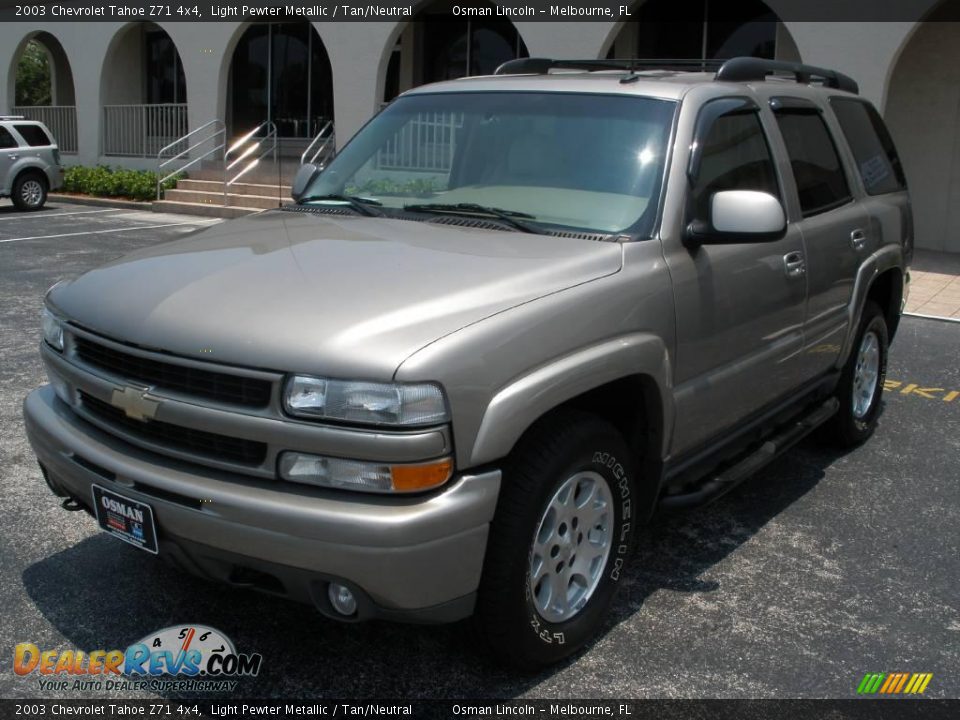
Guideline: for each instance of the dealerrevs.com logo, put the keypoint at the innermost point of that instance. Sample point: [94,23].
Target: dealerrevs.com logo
[180,657]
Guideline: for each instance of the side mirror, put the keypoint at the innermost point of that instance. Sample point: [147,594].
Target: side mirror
[740,216]
[301,181]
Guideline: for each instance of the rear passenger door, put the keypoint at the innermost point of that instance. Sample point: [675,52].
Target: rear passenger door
[8,154]
[833,223]
[880,171]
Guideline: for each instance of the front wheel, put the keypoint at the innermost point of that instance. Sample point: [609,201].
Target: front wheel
[559,542]
[861,383]
[29,191]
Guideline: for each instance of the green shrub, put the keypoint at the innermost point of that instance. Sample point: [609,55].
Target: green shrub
[104,181]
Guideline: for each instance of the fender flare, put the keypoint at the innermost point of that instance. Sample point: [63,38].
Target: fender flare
[516,406]
[886,258]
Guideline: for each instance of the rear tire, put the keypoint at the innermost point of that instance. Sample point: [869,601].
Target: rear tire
[860,390]
[568,491]
[29,191]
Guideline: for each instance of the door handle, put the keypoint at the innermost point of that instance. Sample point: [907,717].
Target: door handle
[794,265]
[13,157]
[858,239]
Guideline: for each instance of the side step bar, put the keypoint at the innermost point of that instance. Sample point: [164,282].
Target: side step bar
[723,483]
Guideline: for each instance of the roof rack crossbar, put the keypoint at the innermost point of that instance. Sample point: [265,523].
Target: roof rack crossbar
[739,69]
[541,66]
[745,69]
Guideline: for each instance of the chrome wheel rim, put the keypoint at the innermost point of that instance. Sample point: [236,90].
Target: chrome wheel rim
[866,375]
[31,192]
[571,546]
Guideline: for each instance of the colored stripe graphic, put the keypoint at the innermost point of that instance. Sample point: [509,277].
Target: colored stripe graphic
[894,683]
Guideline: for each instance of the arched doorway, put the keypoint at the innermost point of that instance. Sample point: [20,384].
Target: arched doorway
[440,45]
[43,88]
[925,83]
[280,72]
[704,30]
[147,109]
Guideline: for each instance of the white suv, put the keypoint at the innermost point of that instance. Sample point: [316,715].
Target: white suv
[29,162]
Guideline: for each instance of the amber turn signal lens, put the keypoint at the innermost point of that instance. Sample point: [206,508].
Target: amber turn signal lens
[407,478]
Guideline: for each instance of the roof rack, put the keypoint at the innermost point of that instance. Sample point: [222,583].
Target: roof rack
[739,69]
[541,66]
[13,117]
[744,69]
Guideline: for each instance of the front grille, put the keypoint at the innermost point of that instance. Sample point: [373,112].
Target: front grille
[223,387]
[196,442]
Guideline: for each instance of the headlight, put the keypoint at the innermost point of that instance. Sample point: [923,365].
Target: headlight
[355,475]
[52,330]
[368,403]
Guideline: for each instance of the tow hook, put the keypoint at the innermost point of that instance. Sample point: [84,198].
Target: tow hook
[71,505]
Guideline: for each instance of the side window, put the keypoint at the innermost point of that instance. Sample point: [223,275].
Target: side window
[821,182]
[6,139]
[735,156]
[871,144]
[34,135]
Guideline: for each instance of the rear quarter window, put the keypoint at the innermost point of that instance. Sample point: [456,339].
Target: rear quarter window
[871,145]
[34,135]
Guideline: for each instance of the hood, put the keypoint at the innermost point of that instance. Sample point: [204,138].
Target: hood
[335,295]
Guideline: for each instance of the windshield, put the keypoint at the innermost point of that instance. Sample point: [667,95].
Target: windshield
[586,162]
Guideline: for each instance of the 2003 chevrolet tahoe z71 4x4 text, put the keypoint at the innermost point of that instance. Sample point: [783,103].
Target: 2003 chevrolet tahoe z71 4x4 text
[512,318]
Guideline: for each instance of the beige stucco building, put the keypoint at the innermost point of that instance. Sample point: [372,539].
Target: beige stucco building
[122,90]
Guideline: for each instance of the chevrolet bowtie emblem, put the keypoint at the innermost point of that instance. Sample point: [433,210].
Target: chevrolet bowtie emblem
[135,402]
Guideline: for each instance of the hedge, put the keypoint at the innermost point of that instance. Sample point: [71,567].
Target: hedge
[104,181]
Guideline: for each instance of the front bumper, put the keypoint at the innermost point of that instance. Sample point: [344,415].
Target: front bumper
[408,558]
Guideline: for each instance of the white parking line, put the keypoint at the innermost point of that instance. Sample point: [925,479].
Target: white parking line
[112,230]
[38,216]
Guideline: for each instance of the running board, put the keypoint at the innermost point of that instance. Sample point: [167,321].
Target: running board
[723,483]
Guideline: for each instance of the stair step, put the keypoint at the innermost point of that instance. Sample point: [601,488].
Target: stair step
[263,189]
[216,186]
[188,208]
[200,197]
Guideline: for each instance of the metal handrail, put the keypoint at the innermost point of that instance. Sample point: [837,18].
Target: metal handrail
[265,145]
[330,138]
[219,132]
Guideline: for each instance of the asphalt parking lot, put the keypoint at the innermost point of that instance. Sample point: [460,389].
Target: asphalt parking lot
[822,568]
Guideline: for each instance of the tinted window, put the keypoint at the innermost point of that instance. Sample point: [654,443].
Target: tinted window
[872,147]
[578,161]
[34,135]
[6,139]
[821,183]
[735,157]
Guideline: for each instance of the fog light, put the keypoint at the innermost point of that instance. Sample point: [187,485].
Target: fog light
[342,599]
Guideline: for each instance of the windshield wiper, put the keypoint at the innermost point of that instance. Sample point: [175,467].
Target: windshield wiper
[361,204]
[510,217]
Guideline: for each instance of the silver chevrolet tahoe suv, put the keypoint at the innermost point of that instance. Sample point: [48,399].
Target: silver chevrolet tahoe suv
[29,162]
[511,319]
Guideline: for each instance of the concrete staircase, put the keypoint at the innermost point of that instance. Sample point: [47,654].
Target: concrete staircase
[201,193]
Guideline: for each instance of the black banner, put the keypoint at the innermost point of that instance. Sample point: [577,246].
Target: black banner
[514,10]
[892,709]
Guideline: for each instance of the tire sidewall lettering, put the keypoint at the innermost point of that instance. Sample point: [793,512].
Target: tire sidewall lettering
[615,474]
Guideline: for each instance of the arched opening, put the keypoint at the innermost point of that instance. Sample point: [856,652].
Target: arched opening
[145,109]
[925,83]
[703,30]
[280,72]
[440,45]
[43,88]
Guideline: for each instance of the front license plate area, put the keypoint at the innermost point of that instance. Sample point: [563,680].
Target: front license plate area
[127,519]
